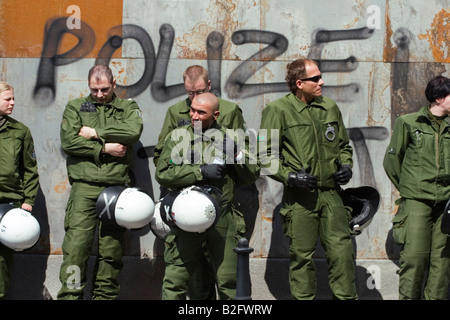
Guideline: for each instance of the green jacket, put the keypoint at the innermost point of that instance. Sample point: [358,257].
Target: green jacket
[19,178]
[176,170]
[310,136]
[417,160]
[178,115]
[119,121]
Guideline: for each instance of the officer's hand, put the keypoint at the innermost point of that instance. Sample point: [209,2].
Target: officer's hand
[343,175]
[88,133]
[213,171]
[115,149]
[302,180]
[27,207]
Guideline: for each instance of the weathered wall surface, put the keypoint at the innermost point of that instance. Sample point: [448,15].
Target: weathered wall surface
[376,57]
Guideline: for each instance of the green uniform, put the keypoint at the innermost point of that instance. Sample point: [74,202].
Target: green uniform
[90,171]
[184,250]
[19,180]
[203,285]
[417,161]
[312,136]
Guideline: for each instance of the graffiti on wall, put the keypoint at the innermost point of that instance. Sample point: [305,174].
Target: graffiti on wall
[156,65]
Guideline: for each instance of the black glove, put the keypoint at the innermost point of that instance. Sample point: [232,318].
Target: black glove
[343,175]
[229,148]
[302,180]
[213,171]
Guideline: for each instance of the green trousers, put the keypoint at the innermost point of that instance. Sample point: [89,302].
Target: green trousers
[185,251]
[6,259]
[203,283]
[306,217]
[80,226]
[425,253]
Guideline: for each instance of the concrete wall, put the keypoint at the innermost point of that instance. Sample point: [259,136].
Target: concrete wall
[376,57]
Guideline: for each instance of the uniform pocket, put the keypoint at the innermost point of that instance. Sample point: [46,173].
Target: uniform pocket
[399,226]
[446,150]
[89,119]
[349,213]
[286,218]
[239,222]
[9,149]
[170,253]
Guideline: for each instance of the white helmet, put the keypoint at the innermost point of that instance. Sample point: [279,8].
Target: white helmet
[19,230]
[157,225]
[162,219]
[127,207]
[197,208]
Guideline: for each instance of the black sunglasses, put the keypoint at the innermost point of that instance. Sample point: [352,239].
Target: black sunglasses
[313,79]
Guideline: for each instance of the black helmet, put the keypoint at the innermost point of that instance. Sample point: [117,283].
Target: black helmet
[363,202]
[157,225]
[165,209]
[126,207]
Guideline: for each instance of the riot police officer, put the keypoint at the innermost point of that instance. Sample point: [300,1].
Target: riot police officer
[315,159]
[97,133]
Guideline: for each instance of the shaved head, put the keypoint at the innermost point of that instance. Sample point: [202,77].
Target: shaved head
[205,108]
[208,99]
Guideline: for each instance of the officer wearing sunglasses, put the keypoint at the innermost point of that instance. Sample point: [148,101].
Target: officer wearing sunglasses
[315,159]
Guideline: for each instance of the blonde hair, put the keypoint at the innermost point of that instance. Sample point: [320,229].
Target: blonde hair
[194,73]
[100,70]
[4,86]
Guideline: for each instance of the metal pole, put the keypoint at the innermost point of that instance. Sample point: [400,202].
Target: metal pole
[243,282]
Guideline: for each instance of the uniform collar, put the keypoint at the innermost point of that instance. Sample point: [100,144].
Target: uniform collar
[424,115]
[3,120]
[300,105]
[215,125]
[9,123]
[188,106]
[114,102]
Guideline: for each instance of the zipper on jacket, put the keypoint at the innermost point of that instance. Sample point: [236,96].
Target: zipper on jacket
[317,142]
